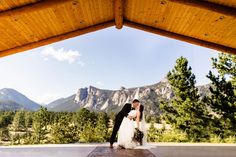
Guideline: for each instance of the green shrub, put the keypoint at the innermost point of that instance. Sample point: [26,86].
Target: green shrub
[230,139]
[174,136]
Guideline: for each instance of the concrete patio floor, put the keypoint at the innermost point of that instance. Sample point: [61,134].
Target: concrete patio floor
[154,149]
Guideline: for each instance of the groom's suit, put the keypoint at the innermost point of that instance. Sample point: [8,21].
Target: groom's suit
[118,120]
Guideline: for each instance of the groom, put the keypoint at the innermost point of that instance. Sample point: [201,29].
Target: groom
[119,117]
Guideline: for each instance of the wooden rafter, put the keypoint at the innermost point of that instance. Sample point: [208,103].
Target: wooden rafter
[118,13]
[181,37]
[34,7]
[228,11]
[57,38]
[208,7]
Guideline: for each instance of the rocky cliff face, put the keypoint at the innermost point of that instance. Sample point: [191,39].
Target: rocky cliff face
[113,100]
[107,100]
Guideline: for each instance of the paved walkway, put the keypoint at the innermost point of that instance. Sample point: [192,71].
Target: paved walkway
[99,150]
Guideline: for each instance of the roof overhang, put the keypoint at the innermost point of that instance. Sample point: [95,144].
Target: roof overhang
[28,24]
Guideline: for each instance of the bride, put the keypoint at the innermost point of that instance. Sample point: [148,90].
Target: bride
[127,128]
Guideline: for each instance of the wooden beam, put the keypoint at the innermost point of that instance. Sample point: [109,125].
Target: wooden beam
[56,38]
[181,37]
[225,10]
[118,13]
[32,8]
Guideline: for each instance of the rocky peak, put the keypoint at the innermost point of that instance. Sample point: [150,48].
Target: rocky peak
[92,89]
[81,94]
[113,100]
[122,88]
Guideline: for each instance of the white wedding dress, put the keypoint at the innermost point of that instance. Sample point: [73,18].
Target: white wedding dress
[126,131]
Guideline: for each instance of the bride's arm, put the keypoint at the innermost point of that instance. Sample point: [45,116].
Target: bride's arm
[138,119]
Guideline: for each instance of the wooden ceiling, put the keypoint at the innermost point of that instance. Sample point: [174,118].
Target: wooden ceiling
[27,24]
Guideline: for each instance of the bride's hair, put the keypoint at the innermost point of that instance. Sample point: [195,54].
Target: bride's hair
[136,100]
[141,111]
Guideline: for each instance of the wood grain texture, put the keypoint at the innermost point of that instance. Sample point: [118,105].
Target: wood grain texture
[26,22]
[47,19]
[181,37]
[10,4]
[229,3]
[187,20]
[214,7]
[118,13]
[57,38]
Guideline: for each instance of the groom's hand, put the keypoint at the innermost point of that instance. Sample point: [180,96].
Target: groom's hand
[130,117]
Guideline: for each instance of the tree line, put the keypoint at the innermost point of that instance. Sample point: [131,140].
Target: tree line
[42,126]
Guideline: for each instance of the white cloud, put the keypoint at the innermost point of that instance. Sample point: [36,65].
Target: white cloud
[69,56]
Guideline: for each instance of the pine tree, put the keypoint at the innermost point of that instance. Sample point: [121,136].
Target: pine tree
[82,117]
[6,118]
[222,98]
[19,121]
[185,111]
[64,131]
[4,134]
[101,129]
[87,135]
[28,119]
[86,123]
[152,133]
[40,122]
[226,66]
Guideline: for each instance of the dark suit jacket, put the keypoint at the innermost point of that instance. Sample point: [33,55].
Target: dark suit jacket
[124,112]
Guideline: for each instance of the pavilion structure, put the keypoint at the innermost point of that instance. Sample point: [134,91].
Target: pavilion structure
[27,24]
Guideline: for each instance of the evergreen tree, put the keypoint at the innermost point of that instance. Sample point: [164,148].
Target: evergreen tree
[64,131]
[87,135]
[40,122]
[86,123]
[82,117]
[226,66]
[152,135]
[28,119]
[4,134]
[101,129]
[6,118]
[222,98]
[19,121]
[185,111]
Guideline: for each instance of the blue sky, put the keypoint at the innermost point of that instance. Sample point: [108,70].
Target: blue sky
[108,59]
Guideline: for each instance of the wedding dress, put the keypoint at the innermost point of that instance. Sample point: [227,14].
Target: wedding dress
[126,131]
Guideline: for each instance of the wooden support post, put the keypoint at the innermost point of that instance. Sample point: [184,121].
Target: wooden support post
[56,38]
[181,37]
[118,13]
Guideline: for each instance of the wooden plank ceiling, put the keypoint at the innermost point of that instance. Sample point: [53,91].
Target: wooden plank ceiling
[27,24]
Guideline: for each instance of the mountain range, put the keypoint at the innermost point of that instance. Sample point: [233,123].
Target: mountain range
[113,100]
[11,99]
[97,99]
